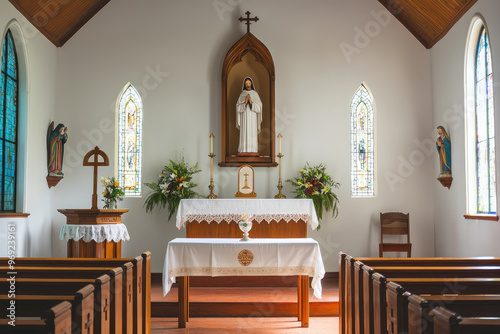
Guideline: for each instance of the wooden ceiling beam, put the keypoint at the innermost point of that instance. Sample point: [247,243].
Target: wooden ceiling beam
[428,20]
[58,20]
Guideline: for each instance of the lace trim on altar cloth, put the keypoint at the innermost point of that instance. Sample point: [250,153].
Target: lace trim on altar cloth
[97,233]
[246,271]
[268,218]
[251,271]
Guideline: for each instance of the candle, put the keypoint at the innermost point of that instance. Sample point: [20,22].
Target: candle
[279,143]
[211,143]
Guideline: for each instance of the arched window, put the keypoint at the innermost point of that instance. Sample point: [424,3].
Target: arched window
[130,141]
[8,124]
[481,169]
[362,144]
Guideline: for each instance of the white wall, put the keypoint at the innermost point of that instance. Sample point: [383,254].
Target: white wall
[129,40]
[37,61]
[456,236]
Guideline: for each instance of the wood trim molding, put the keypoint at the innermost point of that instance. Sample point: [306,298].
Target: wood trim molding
[13,215]
[247,44]
[482,217]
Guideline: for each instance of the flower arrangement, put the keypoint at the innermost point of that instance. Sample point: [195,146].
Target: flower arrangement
[316,184]
[174,184]
[112,192]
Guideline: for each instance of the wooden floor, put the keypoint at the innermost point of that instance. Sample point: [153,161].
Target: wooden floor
[245,310]
[317,325]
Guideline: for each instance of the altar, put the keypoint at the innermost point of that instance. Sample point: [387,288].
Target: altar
[187,257]
[272,218]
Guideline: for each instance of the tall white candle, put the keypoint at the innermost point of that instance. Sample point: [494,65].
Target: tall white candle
[279,143]
[212,143]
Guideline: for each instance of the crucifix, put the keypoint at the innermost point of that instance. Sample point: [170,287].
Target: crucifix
[248,19]
[96,152]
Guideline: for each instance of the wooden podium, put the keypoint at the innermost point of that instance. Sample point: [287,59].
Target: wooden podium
[94,216]
[105,249]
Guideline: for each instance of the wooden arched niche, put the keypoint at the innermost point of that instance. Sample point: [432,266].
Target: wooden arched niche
[249,57]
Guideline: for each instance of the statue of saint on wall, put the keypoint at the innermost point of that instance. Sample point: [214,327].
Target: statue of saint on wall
[443,145]
[56,138]
[248,119]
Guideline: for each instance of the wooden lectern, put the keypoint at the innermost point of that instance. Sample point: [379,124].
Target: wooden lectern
[94,216]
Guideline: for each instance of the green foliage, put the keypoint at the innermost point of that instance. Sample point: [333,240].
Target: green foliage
[112,192]
[174,184]
[316,184]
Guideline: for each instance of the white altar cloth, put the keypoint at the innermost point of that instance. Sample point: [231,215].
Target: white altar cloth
[260,209]
[97,233]
[219,257]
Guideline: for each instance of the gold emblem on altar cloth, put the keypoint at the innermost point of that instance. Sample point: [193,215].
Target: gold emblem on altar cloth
[245,257]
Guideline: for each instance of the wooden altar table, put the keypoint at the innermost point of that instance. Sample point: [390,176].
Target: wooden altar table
[272,218]
[187,257]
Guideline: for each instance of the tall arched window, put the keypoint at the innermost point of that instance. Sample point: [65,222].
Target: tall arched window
[130,140]
[362,144]
[481,170]
[8,124]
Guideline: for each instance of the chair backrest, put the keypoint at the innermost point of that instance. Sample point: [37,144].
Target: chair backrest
[394,223]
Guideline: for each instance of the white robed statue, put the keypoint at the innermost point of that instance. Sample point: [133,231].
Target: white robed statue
[248,117]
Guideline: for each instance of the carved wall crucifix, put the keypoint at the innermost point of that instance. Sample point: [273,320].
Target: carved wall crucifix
[96,152]
[248,19]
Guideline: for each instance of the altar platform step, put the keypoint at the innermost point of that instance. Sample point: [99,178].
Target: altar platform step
[279,300]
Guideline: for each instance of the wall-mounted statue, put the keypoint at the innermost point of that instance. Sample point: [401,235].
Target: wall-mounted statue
[56,138]
[443,145]
[248,119]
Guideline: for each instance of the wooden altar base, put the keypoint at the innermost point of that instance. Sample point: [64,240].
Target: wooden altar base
[274,229]
[98,250]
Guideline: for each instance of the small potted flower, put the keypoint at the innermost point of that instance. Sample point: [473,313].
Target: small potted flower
[112,192]
[174,183]
[316,184]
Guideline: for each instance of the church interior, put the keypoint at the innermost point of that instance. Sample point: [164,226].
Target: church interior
[75,59]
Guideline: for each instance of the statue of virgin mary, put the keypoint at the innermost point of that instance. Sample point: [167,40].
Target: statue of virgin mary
[248,117]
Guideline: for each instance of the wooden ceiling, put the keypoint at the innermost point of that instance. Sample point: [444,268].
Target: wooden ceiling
[59,20]
[428,20]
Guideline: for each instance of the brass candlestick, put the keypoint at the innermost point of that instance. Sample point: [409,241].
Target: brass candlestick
[280,185]
[211,186]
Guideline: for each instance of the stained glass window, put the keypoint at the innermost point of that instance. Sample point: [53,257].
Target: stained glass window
[130,141]
[362,154]
[8,123]
[485,128]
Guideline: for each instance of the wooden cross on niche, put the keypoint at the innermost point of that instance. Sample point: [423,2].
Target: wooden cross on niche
[248,19]
[96,152]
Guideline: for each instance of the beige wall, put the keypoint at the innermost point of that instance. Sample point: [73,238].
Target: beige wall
[172,52]
[456,236]
[37,60]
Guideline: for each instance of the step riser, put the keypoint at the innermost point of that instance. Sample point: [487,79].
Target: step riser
[244,309]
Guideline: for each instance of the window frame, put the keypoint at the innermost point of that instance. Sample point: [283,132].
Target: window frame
[370,104]
[9,39]
[118,158]
[478,25]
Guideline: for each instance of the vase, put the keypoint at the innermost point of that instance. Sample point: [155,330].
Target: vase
[111,205]
[245,227]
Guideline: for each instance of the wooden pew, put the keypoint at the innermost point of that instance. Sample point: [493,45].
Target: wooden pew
[342,291]
[116,284]
[447,322]
[347,281]
[396,303]
[420,321]
[57,320]
[395,273]
[82,310]
[142,278]
[67,287]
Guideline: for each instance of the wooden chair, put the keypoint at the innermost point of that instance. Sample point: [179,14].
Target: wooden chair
[394,223]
